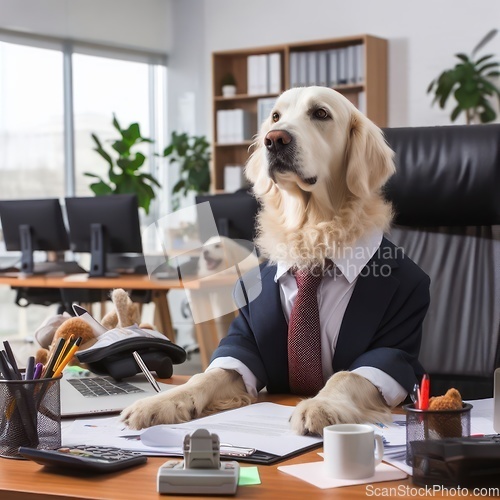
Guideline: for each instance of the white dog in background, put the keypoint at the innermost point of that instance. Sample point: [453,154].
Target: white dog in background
[220,256]
[330,196]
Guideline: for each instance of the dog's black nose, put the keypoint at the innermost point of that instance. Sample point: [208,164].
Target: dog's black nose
[206,253]
[277,139]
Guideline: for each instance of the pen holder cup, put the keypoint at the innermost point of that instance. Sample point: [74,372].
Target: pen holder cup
[422,425]
[30,415]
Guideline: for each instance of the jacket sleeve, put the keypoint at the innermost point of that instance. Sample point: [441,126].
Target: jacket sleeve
[395,346]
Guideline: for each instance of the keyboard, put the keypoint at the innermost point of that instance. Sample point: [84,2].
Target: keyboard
[93,387]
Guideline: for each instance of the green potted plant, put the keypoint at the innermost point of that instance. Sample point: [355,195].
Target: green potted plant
[192,155]
[228,85]
[470,83]
[124,175]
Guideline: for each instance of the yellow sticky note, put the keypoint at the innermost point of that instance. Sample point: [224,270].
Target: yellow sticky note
[248,476]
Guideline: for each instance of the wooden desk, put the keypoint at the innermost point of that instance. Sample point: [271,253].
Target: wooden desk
[206,333]
[25,480]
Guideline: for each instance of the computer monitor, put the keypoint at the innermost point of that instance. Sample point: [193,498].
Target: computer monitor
[104,225]
[30,225]
[234,215]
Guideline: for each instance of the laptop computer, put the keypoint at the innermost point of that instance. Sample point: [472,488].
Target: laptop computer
[83,396]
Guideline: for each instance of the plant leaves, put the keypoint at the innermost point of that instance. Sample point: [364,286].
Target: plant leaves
[463,57]
[101,188]
[455,113]
[488,114]
[491,34]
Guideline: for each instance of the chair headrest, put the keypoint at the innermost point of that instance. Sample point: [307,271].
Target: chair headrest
[445,176]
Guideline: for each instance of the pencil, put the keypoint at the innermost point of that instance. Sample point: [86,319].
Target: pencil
[49,367]
[68,357]
[68,344]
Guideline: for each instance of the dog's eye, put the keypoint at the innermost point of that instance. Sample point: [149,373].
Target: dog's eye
[321,114]
[276,117]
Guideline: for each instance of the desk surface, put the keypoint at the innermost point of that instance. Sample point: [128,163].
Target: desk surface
[128,281]
[26,480]
[139,282]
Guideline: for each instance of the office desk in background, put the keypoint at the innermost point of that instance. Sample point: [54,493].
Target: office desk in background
[206,332]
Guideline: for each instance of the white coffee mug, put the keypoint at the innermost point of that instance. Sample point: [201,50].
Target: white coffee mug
[351,451]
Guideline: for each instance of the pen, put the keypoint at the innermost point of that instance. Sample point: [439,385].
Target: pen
[12,359]
[5,367]
[30,368]
[414,395]
[23,402]
[67,358]
[146,372]
[424,392]
[38,371]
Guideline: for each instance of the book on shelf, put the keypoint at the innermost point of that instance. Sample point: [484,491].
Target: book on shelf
[333,79]
[302,79]
[360,63]
[323,68]
[274,73]
[294,69]
[342,66]
[234,125]
[264,74]
[234,178]
[312,67]
[264,107]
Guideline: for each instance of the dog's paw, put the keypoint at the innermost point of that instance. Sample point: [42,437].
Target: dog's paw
[169,408]
[312,415]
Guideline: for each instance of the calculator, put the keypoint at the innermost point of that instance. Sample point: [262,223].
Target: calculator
[85,458]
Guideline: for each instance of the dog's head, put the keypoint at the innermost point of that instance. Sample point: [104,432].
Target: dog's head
[319,163]
[212,257]
[314,136]
[220,253]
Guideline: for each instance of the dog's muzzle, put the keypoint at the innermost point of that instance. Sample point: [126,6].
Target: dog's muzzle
[281,155]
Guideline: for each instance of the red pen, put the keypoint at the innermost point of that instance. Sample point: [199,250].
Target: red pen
[424,393]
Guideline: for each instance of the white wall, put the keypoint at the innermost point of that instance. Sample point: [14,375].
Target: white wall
[143,24]
[423,37]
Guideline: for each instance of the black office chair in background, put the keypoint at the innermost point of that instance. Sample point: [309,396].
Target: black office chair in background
[446,195]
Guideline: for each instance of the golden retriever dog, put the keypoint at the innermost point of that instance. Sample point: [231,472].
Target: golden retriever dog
[320,192]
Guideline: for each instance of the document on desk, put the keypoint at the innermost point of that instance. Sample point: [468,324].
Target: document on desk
[263,426]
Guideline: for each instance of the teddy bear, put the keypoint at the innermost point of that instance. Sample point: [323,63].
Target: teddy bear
[447,424]
[124,313]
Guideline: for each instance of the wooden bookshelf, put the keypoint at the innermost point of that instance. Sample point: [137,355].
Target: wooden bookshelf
[370,94]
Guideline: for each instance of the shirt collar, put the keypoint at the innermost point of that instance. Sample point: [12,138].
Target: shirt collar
[353,258]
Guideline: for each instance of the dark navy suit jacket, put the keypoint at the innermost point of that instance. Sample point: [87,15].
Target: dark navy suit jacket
[382,325]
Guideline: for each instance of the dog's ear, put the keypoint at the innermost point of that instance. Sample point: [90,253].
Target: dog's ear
[369,158]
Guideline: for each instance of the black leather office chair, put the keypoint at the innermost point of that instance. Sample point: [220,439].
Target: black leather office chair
[446,195]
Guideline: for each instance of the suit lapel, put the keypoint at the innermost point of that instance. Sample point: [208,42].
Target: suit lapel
[374,290]
[271,330]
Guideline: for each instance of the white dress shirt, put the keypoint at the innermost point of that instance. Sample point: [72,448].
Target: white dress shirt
[334,294]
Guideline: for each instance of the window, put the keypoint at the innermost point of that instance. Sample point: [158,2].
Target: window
[31,122]
[53,94]
[103,87]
